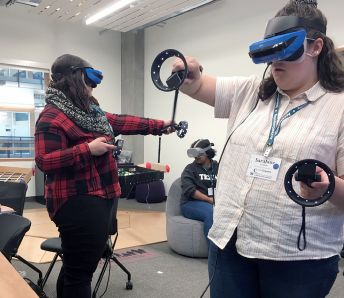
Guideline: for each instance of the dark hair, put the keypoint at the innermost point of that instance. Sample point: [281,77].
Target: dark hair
[329,69]
[73,84]
[204,143]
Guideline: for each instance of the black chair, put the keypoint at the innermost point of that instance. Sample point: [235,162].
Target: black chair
[108,252]
[13,234]
[12,194]
[54,245]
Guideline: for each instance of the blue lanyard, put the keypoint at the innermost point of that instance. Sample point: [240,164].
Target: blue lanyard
[212,172]
[99,110]
[275,128]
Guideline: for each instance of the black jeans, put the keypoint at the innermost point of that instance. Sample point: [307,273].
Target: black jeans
[83,223]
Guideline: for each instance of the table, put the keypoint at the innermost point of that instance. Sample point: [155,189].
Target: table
[12,285]
[5,209]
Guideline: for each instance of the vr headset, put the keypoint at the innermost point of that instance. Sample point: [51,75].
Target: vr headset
[197,152]
[92,77]
[288,46]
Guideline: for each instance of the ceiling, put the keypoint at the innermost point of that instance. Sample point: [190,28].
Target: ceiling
[137,15]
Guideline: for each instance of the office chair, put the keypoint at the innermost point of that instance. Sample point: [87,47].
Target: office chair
[54,245]
[108,252]
[13,234]
[12,194]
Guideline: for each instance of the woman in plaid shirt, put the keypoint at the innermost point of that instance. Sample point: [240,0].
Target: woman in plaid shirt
[73,145]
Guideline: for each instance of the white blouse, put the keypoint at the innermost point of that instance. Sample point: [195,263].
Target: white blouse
[268,222]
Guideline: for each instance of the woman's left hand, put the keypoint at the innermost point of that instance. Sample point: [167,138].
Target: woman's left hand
[170,129]
[319,188]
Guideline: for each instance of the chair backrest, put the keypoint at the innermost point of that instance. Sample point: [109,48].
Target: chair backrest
[12,194]
[12,232]
[173,199]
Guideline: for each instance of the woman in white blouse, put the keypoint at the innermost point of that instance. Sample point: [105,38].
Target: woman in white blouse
[254,251]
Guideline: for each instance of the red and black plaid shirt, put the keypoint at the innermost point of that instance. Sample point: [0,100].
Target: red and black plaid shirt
[61,151]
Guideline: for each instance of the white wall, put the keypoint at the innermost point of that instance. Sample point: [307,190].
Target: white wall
[38,39]
[218,36]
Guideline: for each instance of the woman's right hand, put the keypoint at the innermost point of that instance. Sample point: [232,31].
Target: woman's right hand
[99,146]
[194,69]
[198,86]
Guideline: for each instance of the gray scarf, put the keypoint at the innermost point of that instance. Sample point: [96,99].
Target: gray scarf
[92,121]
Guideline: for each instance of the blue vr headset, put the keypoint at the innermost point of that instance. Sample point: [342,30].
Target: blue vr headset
[92,77]
[279,46]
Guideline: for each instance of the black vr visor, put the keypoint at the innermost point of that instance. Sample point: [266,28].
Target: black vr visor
[279,45]
[92,77]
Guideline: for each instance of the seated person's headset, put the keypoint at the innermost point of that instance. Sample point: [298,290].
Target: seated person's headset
[92,77]
[197,152]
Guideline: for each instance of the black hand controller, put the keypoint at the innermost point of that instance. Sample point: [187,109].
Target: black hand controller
[115,153]
[181,128]
[175,78]
[307,174]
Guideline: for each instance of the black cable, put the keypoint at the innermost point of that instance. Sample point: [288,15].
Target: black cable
[217,253]
[218,168]
[109,264]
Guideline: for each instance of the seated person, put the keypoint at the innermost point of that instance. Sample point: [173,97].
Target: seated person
[198,182]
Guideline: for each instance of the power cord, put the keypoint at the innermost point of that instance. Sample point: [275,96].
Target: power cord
[214,193]
[217,252]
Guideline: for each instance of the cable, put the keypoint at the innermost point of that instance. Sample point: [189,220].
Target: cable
[218,168]
[109,264]
[217,253]
[147,196]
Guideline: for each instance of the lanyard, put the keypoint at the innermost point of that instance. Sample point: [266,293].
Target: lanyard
[99,110]
[212,173]
[276,127]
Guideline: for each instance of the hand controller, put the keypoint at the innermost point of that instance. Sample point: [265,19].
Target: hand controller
[181,128]
[115,153]
[307,174]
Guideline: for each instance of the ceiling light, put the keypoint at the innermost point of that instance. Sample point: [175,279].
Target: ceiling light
[108,10]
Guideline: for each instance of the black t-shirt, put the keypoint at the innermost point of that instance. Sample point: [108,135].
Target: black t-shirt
[196,177]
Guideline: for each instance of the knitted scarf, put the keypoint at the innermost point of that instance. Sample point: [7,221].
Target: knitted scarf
[92,121]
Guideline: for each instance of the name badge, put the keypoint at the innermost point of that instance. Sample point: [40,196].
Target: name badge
[210,192]
[263,167]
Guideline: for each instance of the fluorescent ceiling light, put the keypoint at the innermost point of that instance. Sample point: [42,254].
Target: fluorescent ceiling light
[108,10]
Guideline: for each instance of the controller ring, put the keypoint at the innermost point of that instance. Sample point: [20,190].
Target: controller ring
[156,67]
[297,198]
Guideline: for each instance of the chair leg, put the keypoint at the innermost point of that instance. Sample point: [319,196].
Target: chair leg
[30,265]
[49,270]
[122,267]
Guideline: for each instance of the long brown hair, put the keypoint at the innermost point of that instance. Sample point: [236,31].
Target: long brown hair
[72,85]
[329,69]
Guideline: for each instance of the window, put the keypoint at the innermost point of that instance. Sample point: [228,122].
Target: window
[21,101]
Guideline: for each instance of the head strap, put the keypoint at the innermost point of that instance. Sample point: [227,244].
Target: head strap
[277,25]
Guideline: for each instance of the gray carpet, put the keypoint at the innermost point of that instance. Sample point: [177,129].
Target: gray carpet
[180,277]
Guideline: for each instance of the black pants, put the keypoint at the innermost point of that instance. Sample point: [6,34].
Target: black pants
[83,223]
